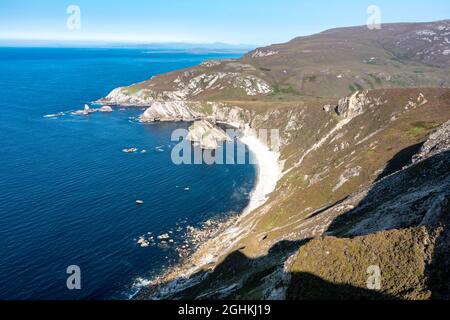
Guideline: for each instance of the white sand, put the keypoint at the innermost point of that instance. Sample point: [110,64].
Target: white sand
[269,170]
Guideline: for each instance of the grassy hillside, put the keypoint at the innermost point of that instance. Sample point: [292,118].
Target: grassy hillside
[353,107]
[331,64]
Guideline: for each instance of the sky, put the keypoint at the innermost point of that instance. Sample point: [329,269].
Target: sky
[255,22]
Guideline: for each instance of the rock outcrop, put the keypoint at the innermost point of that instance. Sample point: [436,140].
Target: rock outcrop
[206,135]
[172,111]
[88,110]
[350,107]
[437,143]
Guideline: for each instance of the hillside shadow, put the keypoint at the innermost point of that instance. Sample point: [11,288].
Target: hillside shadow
[438,269]
[306,286]
[325,208]
[416,180]
[392,183]
[400,160]
[218,284]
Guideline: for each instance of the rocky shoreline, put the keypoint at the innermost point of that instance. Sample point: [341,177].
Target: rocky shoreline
[221,237]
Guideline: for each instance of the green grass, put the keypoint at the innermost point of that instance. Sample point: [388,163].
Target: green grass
[284,92]
[377,79]
[421,128]
[371,85]
[205,109]
[398,253]
[355,87]
[131,90]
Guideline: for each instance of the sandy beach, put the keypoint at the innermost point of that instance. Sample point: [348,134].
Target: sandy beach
[268,167]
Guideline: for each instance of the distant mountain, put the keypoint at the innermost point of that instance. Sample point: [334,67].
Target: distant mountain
[200,47]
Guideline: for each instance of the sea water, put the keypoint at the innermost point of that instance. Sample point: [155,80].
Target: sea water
[68,192]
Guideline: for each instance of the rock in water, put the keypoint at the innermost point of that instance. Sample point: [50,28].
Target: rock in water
[86,111]
[106,109]
[130,150]
[206,135]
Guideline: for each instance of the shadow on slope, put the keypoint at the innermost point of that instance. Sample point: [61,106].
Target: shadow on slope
[240,277]
[396,202]
[401,200]
[234,278]
[306,286]
[400,160]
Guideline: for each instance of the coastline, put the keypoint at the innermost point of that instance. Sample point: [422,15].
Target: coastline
[269,171]
[220,243]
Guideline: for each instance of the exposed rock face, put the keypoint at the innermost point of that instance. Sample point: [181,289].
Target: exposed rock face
[171,111]
[260,53]
[105,109]
[401,226]
[187,86]
[123,97]
[191,87]
[88,110]
[437,143]
[350,107]
[206,135]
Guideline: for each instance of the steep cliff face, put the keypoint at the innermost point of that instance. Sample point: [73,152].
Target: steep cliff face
[173,111]
[400,226]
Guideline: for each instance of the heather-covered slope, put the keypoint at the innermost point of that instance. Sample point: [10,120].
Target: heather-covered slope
[399,224]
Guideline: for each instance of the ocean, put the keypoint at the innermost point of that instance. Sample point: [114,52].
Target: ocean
[68,193]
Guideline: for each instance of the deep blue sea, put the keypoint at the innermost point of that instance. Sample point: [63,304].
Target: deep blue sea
[67,191]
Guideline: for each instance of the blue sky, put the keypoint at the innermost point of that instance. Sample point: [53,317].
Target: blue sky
[256,22]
